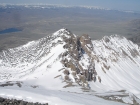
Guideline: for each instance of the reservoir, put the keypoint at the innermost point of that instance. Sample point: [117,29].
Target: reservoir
[9,30]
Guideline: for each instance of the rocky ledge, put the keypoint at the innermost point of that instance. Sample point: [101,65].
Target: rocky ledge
[4,101]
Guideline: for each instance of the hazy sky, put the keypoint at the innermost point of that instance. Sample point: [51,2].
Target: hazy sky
[112,4]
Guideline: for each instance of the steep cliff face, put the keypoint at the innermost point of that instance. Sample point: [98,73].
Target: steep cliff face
[78,64]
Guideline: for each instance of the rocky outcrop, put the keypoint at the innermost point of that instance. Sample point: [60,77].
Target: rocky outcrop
[79,52]
[5,101]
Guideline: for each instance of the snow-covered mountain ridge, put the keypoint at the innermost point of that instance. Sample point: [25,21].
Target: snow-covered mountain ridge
[49,6]
[65,60]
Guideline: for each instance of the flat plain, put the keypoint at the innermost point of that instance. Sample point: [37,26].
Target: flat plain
[37,22]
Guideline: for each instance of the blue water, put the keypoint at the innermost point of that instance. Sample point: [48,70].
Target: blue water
[9,30]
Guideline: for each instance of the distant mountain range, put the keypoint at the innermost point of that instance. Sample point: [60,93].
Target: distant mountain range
[44,6]
[50,6]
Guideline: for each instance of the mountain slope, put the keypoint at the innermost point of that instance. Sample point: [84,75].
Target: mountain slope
[118,64]
[67,62]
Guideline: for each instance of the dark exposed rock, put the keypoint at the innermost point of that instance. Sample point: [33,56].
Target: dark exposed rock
[66,72]
[76,47]
[10,83]
[94,78]
[67,78]
[99,79]
[2,100]
[5,101]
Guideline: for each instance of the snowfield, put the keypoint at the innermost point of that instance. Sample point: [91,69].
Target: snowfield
[36,72]
[54,97]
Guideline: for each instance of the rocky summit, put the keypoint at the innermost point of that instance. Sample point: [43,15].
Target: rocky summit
[77,58]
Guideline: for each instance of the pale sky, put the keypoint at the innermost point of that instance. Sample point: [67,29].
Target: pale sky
[112,4]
